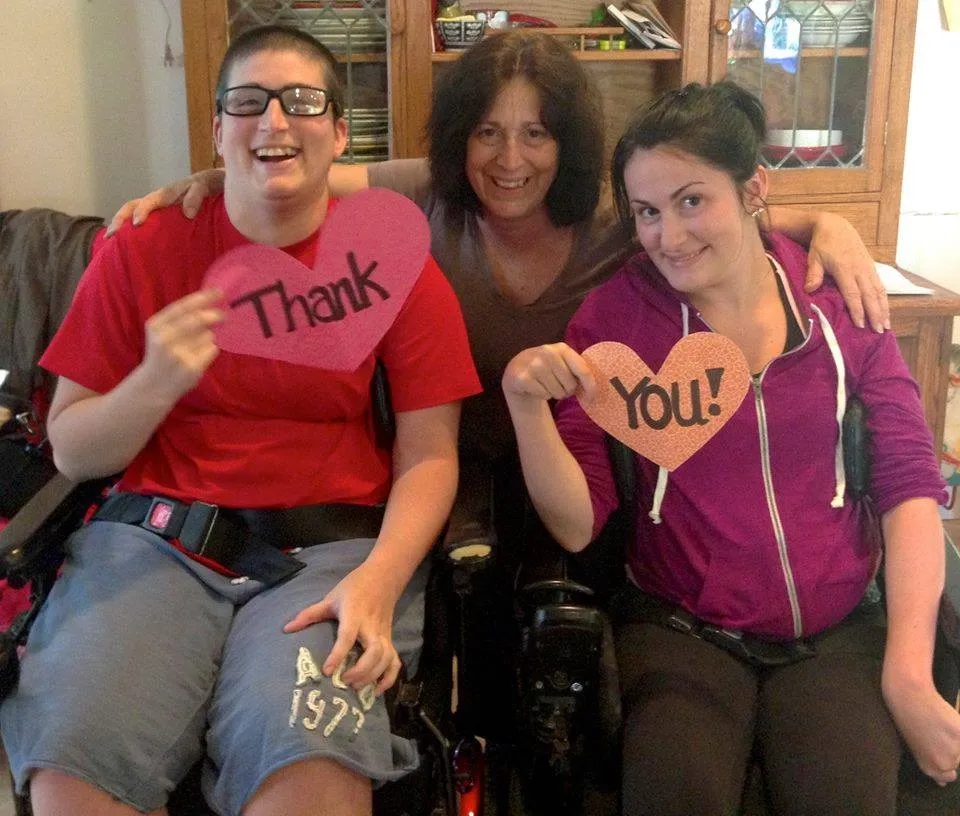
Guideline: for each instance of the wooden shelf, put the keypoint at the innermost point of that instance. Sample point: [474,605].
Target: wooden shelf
[361,56]
[861,51]
[629,55]
[815,53]
[584,33]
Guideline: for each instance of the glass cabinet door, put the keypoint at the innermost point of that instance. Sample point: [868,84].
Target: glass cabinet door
[357,32]
[814,64]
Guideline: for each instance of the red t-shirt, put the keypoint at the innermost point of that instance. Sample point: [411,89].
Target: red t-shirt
[254,432]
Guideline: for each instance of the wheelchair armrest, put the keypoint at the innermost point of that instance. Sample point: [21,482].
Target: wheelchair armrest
[32,540]
[470,539]
[950,602]
[468,546]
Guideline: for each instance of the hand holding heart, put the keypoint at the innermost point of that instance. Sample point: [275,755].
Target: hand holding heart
[369,257]
[552,371]
[180,343]
[669,415]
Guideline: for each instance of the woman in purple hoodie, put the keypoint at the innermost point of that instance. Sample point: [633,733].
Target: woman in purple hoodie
[752,543]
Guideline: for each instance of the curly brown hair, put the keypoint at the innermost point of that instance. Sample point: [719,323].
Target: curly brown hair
[570,108]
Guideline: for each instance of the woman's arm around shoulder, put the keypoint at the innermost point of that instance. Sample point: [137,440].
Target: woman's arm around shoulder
[835,248]
[190,192]
[94,434]
[342,180]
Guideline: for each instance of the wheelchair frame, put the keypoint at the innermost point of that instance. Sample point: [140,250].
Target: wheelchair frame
[564,635]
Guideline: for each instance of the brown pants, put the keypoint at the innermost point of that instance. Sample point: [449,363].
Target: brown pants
[695,717]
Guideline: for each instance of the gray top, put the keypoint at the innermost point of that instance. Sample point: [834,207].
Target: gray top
[499,329]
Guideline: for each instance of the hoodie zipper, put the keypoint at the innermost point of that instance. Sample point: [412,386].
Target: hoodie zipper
[772,506]
[756,381]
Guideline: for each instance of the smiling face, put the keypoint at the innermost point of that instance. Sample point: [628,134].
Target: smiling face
[511,157]
[275,160]
[690,218]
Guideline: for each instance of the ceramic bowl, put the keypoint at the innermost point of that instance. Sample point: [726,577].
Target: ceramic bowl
[459,34]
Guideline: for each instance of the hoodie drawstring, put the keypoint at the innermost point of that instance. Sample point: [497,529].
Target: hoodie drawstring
[663,474]
[840,477]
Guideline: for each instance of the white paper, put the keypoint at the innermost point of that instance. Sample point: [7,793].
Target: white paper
[650,11]
[631,27]
[651,28]
[896,284]
[647,32]
[3,375]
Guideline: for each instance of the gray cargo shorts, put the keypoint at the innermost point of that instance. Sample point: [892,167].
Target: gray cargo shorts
[140,654]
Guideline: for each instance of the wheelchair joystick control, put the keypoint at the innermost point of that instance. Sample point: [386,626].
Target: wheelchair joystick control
[561,641]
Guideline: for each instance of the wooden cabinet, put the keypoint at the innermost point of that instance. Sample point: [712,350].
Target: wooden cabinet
[840,67]
[836,65]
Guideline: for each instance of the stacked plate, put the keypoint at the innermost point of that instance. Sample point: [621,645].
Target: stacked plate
[369,135]
[344,27]
[808,146]
[830,23]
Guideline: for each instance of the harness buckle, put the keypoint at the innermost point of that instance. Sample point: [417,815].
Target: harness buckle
[29,422]
[197,526]
[683,622]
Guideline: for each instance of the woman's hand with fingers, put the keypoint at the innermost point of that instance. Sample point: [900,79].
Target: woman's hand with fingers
[836,249]
[552,371]
[190,192]
[930,726]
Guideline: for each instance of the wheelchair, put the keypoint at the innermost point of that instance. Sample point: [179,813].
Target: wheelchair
[917,794]
[559,753]
[32,551]
[44,253]
[534,760]
[546,706]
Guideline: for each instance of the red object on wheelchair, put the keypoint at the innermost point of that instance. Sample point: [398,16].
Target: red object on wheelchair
[468,773]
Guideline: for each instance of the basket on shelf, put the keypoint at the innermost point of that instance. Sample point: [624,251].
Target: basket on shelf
[457,34]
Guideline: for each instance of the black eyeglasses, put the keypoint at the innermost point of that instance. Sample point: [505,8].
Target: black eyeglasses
[296,100]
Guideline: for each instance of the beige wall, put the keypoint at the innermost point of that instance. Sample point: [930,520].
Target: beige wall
[929,240]
[90,115]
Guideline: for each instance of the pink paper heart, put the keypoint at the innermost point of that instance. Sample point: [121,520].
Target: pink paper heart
[668,416]
[370,253]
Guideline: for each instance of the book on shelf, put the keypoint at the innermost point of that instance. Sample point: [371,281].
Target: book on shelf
[644,22]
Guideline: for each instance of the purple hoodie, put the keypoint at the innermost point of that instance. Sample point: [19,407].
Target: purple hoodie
[755,533]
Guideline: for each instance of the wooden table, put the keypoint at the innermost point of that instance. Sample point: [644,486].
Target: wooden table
[923,325]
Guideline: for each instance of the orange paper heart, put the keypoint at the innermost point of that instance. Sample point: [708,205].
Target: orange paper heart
[668,416]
